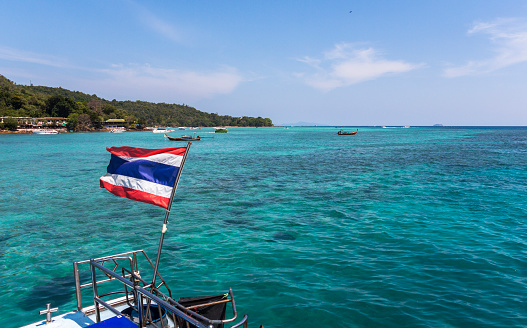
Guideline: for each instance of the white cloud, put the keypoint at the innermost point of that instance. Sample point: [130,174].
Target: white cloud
[161,27]
[138,81]
[310,61]
[345,65]
[11,54]
[166,85]
[155,23]
[510,39]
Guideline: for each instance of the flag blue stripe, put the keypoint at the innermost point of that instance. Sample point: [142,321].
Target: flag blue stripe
[144,169]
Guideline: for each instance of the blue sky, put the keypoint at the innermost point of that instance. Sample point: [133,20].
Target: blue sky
[385,63]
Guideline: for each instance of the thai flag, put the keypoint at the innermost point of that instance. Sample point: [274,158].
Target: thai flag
[145,175]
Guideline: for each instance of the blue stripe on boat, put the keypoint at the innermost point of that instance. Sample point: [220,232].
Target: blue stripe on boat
[115,322]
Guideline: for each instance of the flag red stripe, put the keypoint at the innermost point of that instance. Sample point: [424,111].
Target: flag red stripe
[137,195]
[126,151]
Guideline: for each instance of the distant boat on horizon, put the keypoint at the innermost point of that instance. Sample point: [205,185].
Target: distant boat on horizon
[345,133]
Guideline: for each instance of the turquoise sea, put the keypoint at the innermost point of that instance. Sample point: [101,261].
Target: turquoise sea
[416,227]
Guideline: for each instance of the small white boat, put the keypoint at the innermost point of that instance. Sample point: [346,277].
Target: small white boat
[156,130]
[117,130]
[45,131]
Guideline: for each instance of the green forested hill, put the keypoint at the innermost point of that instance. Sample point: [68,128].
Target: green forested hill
[85,112]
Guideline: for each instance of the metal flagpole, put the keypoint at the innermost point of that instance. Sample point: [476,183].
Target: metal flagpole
[167,214]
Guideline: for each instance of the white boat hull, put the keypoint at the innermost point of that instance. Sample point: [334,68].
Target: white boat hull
[45,131]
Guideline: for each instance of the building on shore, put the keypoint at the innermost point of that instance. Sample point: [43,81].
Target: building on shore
[38,122]
[115,123]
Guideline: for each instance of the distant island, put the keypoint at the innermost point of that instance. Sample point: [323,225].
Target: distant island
[84,112]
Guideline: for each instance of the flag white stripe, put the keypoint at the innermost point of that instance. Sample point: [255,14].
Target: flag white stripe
[167,159]
[138,184]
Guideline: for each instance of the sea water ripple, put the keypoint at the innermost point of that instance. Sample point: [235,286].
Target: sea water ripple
[419,227]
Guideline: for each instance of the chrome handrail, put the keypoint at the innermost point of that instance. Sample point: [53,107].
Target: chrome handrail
[169,304]
[131,256]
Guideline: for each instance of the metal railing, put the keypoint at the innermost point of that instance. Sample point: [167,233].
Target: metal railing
[141,295]
[133,260]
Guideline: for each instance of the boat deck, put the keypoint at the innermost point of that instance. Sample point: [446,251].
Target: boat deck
[74,319]
[78,319]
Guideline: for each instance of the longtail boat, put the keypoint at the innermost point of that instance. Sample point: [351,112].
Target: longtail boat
[345,133]
[183,138]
